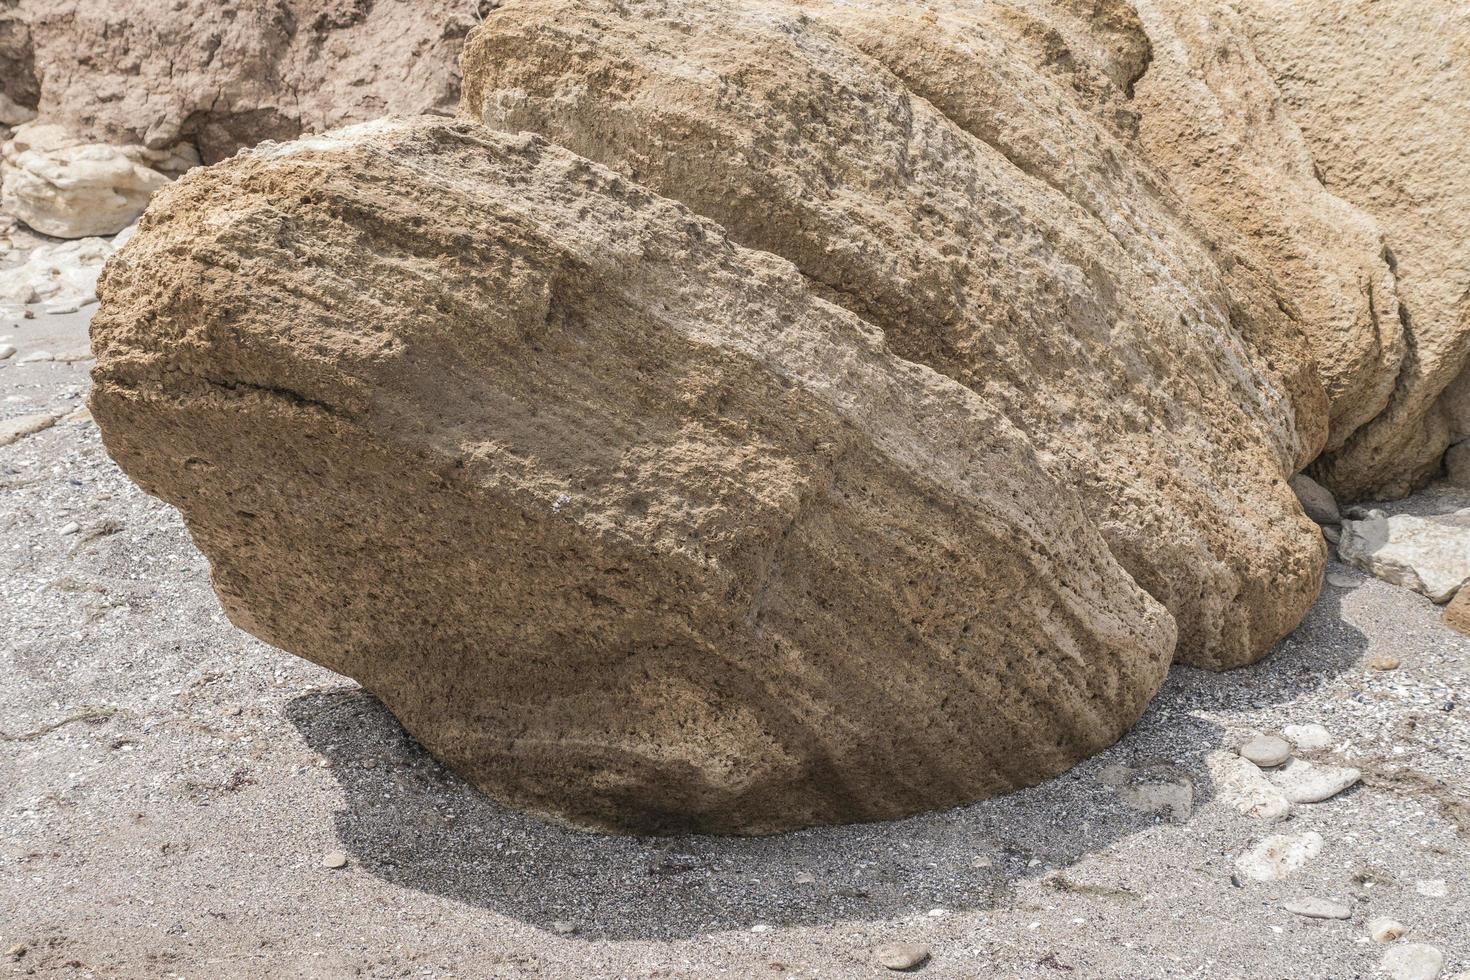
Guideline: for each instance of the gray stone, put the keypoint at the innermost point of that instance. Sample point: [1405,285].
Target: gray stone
[1315,499]
[1279,856]
[13,430]
[1308,737]
[902,956]
[1412,961]
[1317,908]
[1429,554]
[1266,751]
[1243,787]
[1302,782]
[1340,581]
[334,859]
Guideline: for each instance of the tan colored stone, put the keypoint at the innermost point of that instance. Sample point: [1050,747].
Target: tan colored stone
[994,228]
[1378,90]
[617,517]
[1457,613]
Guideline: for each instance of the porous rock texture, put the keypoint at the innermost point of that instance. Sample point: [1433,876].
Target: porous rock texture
[915,165]
[1378,89]
[223,74]
[622,520]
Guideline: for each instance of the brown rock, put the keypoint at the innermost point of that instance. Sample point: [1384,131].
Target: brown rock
[981,214]
[618,517]
[1457,613]
[1378,89]
[226,75]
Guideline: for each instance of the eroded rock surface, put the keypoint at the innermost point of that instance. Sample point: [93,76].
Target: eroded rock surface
[617,516]
[1378,90]
[907,160]
[64,186]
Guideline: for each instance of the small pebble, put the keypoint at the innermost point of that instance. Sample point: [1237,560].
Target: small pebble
[804,879]
[902,956]
[70,527]
[1339,581]
[1266,751]
[16,952]
[1386,930]
[1317,908]
[334,859]
[1412,961]
[6,350]
[1384,663]
[563,928]
[1308,736]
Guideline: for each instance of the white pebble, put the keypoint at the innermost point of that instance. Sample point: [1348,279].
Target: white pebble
[1386,930]
[1308,736]
[1317,908]
[70,527]
[1266,751]
[1412,961]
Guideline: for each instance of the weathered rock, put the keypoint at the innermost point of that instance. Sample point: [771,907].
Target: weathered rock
[1457,612]
[62,273]
[63,186]
[223,76]
[915,170]
[616,516]
[1315,499]
[1317,908]
[1302,782]
[1378,89]
[1308,737]
[902,956]
[17,428]
[1279,856]
[1385,930]
[1212,118]
[1242,786]
[1412,961]
[1266,751]
[1429,554]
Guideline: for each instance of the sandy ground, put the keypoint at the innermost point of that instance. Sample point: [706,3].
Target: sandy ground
[169,786]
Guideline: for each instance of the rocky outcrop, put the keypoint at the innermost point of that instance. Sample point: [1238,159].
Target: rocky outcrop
[219,76]
[1213,120]
[62,186]
[620,518]
[997,230]
[62,276]
[1378,89]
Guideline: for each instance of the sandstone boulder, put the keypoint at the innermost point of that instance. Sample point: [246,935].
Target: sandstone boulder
[1378,89]
[984,216]
[620,518]
[63,186]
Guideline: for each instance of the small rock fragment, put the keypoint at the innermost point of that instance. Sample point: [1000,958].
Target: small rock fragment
[70,527]
[1332,533]
[902,956]
[13,430]
[804,879]
[1315,499]
[1340,581]
[1457,613]
[37,357]
[1385,930]
[1433,888]
[1317,908]
[1412,961]
[563,928]
[334,859]
[1308,736]
[16,952]
[1302,782]
[1384,663]
[1277,856]
[1241,785]
[1266,751]
[6,350]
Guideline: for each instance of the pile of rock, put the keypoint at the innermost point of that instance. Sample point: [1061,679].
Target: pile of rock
[835,411]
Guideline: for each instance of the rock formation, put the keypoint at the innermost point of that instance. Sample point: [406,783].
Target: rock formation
[62,186]
[620,518]
[1378,89]
[1010,241]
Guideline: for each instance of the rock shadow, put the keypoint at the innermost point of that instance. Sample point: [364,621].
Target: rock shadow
[411,822]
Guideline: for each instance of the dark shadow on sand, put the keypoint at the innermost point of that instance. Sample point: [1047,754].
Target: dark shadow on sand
[414,824]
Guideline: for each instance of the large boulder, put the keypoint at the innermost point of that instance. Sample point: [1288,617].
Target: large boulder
[61,185]
[1379,89]
[620,518]
[913,165]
